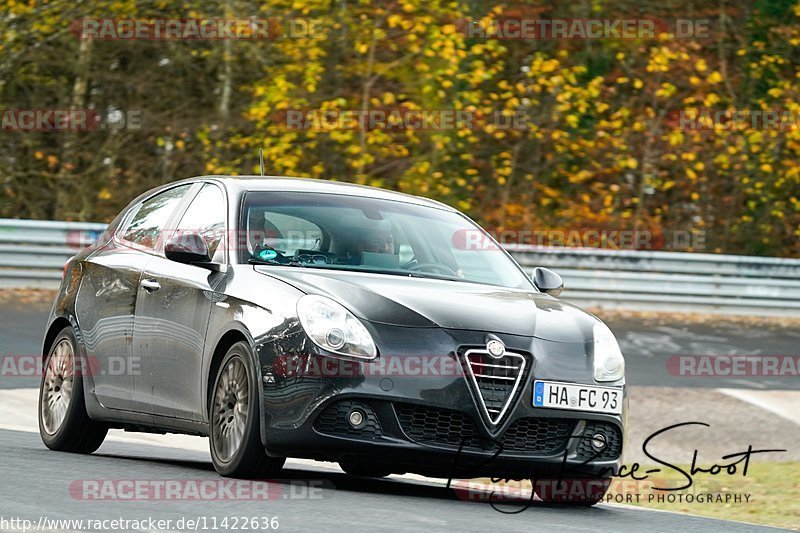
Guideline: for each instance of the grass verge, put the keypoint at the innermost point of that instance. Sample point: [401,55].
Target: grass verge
[774,490]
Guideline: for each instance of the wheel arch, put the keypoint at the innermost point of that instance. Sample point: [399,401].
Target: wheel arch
[228,339]
[234,333]
[58,324]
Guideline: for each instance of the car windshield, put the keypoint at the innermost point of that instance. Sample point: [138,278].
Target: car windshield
[332,231]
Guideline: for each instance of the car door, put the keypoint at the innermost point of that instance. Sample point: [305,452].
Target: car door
[106,300]
[172,311]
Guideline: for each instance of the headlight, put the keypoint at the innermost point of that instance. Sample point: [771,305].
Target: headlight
[334,328]
[609,365]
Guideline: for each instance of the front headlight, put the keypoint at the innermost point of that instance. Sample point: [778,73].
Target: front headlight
[333,328]
[609,365]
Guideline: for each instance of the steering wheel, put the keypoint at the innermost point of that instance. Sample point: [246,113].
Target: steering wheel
[433,266]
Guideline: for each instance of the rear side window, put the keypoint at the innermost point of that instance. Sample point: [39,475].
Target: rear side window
[206,216]
[148,222]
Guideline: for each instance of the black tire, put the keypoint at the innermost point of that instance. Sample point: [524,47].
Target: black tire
[76,432]
[587,493]
[247,459]
[359,469]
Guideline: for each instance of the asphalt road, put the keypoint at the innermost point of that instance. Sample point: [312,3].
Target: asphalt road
[37,482]
[314,496]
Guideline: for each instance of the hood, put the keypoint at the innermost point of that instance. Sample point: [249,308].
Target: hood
[424,302]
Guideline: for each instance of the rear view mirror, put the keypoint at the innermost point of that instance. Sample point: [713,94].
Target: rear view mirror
[188,248]
[547,281]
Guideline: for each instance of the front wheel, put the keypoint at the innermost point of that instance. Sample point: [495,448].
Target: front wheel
[236,448]
[64,424]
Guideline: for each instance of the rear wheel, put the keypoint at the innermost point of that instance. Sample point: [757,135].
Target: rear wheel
[235,439]
[64,424]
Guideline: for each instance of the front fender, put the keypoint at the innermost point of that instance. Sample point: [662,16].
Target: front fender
[252,307]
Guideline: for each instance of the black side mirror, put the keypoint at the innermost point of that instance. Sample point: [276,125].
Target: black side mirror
[188,248]
[547,281]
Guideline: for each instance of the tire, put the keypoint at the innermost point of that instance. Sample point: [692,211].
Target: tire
[64,424]
[574,492]
[234,420]
[358,469]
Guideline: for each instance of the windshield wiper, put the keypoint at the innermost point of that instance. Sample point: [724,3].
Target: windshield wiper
[377,270]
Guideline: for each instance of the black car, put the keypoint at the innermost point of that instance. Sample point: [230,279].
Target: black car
[287,317]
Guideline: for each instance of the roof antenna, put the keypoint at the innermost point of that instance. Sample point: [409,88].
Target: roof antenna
[261,159]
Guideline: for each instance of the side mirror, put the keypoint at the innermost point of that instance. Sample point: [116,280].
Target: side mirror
[547,281]
[188,248]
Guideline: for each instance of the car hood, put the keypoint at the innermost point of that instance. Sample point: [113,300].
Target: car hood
[425,302]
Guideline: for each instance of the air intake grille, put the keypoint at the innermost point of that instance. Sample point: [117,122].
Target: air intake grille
[495,380]
[333,421]
[613,436]
[443,427]
[430,425]
[538,435]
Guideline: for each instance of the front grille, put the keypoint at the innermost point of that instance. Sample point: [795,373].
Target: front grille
[495,380]
[430,425]
[538,435]
[333,421]
[613,437]
[443,427]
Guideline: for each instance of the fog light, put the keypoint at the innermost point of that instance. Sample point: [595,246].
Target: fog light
[598,441]
[357,418]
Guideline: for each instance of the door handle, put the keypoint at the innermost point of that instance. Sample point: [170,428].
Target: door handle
[150,285]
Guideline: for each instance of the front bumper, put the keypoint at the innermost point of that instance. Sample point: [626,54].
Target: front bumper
[423,418]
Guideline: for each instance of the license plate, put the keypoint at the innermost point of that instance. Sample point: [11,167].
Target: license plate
[577,397]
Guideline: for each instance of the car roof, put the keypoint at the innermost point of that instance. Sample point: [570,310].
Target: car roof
[242,184]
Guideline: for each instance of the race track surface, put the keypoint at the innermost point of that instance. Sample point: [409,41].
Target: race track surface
[38,483]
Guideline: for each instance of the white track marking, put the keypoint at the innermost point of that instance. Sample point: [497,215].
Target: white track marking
[784,403]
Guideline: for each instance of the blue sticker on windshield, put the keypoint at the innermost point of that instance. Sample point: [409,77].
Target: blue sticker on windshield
[267,254]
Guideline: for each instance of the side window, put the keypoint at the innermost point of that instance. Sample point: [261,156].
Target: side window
[206,216]
[147,224]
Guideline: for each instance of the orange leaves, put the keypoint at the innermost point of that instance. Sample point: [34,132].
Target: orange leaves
[557,137]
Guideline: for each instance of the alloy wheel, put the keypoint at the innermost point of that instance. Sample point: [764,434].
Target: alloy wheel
[231,402]
[59,380]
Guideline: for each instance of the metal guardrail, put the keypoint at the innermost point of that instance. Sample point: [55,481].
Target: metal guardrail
[671,281]
[33,253]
